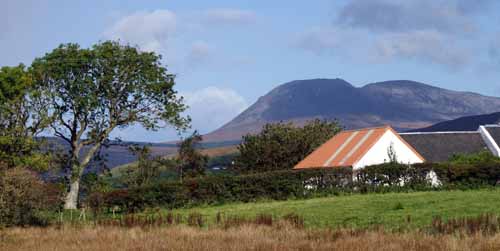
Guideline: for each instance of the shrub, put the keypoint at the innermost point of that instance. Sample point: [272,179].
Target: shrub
[23,196]
[472,175]
[394,175]
[285,184]
[279,185]
[474,158]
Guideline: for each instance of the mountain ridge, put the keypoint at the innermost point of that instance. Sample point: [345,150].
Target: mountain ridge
[404,104]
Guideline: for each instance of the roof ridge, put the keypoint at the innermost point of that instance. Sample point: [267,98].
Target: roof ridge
[443,132]
[367,128]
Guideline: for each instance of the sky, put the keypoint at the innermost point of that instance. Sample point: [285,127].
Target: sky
[228,53]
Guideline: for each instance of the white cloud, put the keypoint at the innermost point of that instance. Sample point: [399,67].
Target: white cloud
[382,31]
[229,16]
[209,108]
[212,107]
[149,30]
[424,45]
[449,16]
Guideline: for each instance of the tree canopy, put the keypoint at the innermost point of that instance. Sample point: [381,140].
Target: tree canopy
[22,116]
[192,163]
[92,91]
[282,145]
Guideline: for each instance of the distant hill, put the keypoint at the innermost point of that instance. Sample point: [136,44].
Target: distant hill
[403,104]
[469,123]
[118,154]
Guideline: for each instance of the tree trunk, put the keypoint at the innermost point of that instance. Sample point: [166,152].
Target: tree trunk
[71,200]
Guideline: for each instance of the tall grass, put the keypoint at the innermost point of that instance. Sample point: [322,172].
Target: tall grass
[279,236]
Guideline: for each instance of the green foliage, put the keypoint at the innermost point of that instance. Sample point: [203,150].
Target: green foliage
[21,117]
[278,185]
[393,211]
[191,162]
[467,175]
[96,183]
[23,196]
[391,154]
[146,170]
[281,146]
[393,174]
[285,184]
[475,158]
[90,92]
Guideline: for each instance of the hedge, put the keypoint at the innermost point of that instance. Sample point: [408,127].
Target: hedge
[282,185]
[277,185]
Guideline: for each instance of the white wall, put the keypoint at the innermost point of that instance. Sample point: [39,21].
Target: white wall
[378,153]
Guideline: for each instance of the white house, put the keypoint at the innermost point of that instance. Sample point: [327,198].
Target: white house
[360,148]
[369,146]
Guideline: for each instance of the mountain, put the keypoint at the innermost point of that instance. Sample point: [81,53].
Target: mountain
[468,123]
[401,103]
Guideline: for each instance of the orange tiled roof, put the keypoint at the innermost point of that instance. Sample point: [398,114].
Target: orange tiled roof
[344,149]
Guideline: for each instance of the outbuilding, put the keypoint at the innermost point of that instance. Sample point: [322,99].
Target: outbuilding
[360,148]
[372,146]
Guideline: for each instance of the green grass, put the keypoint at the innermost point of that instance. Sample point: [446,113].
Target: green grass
[360,211]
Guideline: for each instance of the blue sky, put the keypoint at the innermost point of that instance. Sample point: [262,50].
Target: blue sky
[228,53]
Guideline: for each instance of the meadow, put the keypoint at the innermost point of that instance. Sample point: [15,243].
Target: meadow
[439,220]
[391,210]
[247,237]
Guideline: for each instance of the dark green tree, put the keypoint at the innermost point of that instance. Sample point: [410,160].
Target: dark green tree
[91,92]
[22,117]
[145,171]
[282,145]
[191,163]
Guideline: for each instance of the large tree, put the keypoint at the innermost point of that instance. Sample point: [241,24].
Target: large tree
[282,145]
[94,91]
[22,117]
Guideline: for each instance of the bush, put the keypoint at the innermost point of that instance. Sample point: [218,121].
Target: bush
[472,175]
[285,184]
[279,185]
[23,196]
[394,174]
[482,157]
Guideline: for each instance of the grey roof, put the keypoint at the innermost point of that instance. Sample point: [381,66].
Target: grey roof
[440,146]
[494,132]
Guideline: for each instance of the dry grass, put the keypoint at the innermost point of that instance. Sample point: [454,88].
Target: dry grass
[246,237]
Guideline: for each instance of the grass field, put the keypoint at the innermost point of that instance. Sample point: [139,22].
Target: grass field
[392,210]
[249,237]
[356,222]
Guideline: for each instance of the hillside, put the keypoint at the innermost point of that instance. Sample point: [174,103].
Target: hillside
[468,123]
[401,103]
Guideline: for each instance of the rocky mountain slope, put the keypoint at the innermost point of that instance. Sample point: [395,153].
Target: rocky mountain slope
[401,103]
